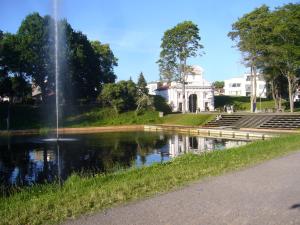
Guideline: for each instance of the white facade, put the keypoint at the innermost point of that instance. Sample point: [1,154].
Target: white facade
[241,86]
[199,93]
[180,144]
[152,86]
[297,95]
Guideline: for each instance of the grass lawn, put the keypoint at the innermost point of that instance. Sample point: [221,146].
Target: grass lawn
[78,195]
[187,119]
[30,117]
[243,103]
[108,117]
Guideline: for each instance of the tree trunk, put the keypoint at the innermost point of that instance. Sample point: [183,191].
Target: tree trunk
[279,102]
[291,95]
[274,96]
[183,98]
[182,72]
[254,89]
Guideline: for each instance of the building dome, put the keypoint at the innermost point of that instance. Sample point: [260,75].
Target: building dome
[198,70]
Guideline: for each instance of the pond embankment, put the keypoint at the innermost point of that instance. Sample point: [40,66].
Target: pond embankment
[221,132]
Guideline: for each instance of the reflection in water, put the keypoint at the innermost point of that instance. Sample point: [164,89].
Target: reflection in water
[180,144]
[29,160]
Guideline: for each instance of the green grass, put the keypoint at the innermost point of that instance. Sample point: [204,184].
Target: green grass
[79,195]
[30,117]
[187,119]
[108,117]
[243,103]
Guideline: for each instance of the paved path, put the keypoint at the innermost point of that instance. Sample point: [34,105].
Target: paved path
[266,194]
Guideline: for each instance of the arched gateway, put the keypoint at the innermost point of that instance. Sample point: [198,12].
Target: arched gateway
[193,103]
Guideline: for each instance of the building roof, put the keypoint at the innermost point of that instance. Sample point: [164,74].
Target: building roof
[163,88]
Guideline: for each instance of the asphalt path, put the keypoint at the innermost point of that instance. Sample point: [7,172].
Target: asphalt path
[268,193]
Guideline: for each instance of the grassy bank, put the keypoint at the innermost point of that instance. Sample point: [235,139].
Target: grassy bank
[38,118]
[187,119]
[243,103]
[52,203]
[108,117]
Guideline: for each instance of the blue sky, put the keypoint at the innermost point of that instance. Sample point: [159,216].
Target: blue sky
[134,29]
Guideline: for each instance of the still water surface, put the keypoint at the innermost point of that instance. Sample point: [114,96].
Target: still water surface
[26,160]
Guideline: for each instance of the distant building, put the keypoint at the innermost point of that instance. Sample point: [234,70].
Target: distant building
[241,86]
[199,93]
[36,92]
[297,95]
[4,99]
[181,144]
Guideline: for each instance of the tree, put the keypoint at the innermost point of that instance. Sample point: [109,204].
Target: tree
[277,83]
[85,67]
[107,61]
[121,96]
[285,46]
[6,87]
[37,50]
[218,85]
[178,45]
[142,85]
[249,33]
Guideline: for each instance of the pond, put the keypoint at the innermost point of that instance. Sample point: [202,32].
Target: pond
[26,160]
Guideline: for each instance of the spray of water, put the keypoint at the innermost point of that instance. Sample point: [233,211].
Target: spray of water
[55,14]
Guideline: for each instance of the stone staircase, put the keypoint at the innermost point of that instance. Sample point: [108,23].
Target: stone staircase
[227,120]
[266,121]
[252,121]
[282,122]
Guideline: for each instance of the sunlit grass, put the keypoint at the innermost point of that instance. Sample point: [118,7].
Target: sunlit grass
[53,203]
[187,119]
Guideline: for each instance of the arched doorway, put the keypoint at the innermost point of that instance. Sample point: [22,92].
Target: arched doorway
[193,103]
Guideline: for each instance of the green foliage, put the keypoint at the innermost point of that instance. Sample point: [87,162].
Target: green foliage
[107,61]
[21,117]
[270,41]
[30,54]
[80,195]
[219,84]
[161,105]
[108,117]
[178,44]
[144,102]
[121,96]
[142,85]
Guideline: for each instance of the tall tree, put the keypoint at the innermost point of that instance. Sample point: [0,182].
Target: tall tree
[142,85]
[285,46]
[178,45]
[107,61]
[35,48]
[85,67]
[249,33]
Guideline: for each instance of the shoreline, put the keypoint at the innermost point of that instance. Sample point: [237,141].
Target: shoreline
[199,130]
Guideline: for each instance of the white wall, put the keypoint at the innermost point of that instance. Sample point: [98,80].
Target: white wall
[241,86]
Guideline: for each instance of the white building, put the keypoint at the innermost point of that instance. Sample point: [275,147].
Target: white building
[180,144]
[199,93]
[241,86]
[297,95]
